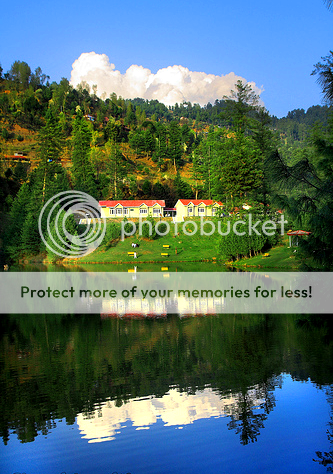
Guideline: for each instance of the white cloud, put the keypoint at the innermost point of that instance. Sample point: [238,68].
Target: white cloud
[169,85]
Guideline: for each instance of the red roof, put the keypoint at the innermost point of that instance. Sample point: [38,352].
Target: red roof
[196,202]
[133,203]
[298,232]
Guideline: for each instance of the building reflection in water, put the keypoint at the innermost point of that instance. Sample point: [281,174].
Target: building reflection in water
[175,408]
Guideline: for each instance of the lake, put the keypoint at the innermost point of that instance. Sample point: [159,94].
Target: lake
[217,393]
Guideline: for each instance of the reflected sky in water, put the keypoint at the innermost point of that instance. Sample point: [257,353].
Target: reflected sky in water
[225,394]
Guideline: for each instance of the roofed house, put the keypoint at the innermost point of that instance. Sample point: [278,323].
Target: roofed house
[196,208]
[132,208]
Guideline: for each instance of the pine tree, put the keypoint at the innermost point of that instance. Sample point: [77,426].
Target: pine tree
[116,169]
[83,175]
[175,144]
[57,240]
[182,189]
[47,180]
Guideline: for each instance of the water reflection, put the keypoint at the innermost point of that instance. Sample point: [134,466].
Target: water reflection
[173,409]
[247,411]
[108,374]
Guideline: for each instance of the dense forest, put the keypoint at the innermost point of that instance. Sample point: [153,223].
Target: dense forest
[54,137]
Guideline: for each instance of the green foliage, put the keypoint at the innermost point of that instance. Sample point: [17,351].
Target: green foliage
[130,118]
[158,191]
[305,191]
[22,236]
[239,106]
[229,164]
[116,168]
[114,131]
[5,134]
[137,141]
[325,76]
[233,246]
[182,189]
[57,240]
[83,175]
[20,74]
[175,143]
[127,228]
[146,187]
[228,161]
[50,139]
[148,228]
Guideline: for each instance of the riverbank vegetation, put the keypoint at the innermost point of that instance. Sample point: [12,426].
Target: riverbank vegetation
[55,138]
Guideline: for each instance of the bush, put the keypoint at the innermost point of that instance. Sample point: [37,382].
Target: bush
[112,233]
[127,226]
[162,228]
[233,246]
[151,235]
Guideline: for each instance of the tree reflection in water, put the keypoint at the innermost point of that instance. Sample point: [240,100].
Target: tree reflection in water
[58,366]
[248,418]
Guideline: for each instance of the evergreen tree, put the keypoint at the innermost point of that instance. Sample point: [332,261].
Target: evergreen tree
[146,188]
[158,191]
[116,169]
[182,189]
[130,118]
[175,144]
[50,143]
[22,234]
[137,141]
[83,175]
[47,180]
[241,170]
[58,242]
[239,106]
[305,192]
[266,143]
[149,142]
[325,76]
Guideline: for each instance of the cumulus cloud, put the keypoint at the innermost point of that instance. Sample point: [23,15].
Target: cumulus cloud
[169,85]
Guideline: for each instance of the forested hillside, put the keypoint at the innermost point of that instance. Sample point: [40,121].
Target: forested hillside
[54,137]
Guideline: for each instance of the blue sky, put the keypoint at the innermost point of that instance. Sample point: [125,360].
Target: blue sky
[273,44]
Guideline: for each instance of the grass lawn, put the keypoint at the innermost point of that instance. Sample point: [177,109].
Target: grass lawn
[280,257]
[182,248]
[187,248]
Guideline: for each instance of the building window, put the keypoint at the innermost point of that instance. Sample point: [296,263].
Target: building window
[190,210]
[156,212]
[201,210]
[214,211]
[125,210]
[112,211]
[143,211]
[119,211]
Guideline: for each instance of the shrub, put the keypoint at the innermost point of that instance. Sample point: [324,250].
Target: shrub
[151,235]
[112,233]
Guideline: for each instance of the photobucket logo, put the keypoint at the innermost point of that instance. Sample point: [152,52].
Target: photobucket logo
[56,236]
[206,227]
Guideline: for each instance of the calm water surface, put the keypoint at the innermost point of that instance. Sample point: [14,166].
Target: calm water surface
[220,393]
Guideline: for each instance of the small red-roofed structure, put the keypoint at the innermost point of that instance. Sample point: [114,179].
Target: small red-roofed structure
[297,233]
